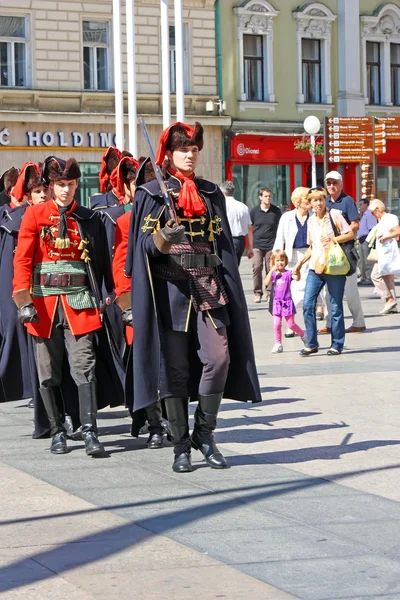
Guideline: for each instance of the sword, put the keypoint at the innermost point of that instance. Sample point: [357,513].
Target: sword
[103,307]
[168,201]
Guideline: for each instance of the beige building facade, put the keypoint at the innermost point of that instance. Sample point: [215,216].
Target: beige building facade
[56,79]
[285,60]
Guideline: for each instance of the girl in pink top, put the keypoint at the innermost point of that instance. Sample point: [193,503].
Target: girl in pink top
[282,305]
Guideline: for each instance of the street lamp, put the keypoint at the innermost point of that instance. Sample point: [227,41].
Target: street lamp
[312,125]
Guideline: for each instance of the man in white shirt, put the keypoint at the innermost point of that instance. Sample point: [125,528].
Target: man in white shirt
[239,221]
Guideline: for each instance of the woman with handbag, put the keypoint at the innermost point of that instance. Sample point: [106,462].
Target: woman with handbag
[292,238]
[387,255]
[322,229]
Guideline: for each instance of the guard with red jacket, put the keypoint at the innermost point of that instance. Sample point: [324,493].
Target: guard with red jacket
[60,265]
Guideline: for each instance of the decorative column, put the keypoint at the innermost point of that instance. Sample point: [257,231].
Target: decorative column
[350,100]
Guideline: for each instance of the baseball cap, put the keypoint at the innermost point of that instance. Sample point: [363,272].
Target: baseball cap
[333,175]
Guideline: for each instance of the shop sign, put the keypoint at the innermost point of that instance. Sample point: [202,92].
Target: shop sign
[74,139]
[246,150]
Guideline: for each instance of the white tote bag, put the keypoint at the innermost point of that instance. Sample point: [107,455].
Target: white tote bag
[389,258]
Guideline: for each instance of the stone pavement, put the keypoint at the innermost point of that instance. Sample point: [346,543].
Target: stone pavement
[310,507]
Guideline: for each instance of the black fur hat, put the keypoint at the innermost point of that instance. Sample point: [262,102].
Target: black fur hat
[8,180]
[56,169]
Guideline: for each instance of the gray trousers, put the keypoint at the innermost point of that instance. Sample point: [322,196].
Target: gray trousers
[49,354]
[365,265]
[260,257]
[212,350]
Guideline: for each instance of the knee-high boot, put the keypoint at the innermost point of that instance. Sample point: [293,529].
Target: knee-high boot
[205,419]
[156,429]
[87,413]
[54,407]
[178,419]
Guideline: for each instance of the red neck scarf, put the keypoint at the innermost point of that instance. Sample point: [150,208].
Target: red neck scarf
[189,199]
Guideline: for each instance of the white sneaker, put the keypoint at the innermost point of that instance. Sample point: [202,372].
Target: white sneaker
[277,349]
[304,340]
[389,306]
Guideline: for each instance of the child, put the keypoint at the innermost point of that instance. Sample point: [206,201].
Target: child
[282,305]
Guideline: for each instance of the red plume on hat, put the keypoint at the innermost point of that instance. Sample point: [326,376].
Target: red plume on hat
[179,135]
[28,179]
[109,162]
[124,172]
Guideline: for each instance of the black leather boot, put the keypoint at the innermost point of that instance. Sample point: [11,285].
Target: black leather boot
[87,413]
[156,429]
[178,419]
[53,405]
[205,419]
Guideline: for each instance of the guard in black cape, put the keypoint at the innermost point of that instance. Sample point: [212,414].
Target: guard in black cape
[192,332]
[152,413]
[62,251]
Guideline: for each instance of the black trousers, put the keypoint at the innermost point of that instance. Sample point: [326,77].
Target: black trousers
[240,244]
[212,350]
[49,354]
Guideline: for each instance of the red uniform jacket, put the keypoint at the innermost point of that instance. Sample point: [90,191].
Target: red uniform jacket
[36,244]
[122,281]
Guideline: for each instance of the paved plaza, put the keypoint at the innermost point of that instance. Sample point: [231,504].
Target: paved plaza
[309,508]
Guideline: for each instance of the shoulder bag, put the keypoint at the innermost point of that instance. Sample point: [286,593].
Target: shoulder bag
[348,248]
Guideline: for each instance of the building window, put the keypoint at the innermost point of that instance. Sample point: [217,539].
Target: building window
[395,73]
[311,61]
[172,59]
[13,42]
[255,35]
[314,32]
[96,48]
[374,72]
[253,57]
[380,36]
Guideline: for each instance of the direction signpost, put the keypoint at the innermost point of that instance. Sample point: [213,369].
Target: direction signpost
[358,140]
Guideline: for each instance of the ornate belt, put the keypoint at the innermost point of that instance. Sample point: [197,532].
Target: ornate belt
[60,280]
[194,261]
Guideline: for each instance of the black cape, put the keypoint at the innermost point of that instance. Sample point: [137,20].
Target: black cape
[148,361]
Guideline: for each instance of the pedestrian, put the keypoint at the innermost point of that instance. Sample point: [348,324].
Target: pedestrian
[239,221]
[191,325]
[59,267]
[338,200]
[265,219]
[282,304]
[320,235]
[292,238]
[386,232]
[367,223]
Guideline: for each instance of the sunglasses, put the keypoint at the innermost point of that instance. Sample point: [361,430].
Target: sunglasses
[318,188]
[335,182]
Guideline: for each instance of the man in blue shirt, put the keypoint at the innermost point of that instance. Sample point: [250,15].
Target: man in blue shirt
[368,222]
[340,201]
